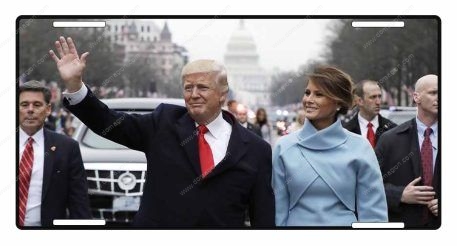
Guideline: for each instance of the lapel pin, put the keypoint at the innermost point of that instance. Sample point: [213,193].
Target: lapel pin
[53,148]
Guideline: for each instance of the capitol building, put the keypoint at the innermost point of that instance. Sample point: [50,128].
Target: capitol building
[249,82]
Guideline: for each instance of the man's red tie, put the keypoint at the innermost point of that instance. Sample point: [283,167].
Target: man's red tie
[427,158]
[427,166]
[370,134]
[204,151]
[25,172]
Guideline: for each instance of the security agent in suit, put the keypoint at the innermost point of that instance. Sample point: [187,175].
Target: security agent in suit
[242,116]
[412,197]
[57,183]
[368,99]
[180,191]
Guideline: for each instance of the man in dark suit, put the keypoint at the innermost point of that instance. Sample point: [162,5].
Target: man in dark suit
[203,169]
[410,163]
[51,176]
[368,122]
[242,116]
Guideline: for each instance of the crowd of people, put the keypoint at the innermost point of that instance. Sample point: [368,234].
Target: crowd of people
[324,173]
[62,121]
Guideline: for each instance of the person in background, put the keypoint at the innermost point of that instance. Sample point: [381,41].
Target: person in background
[324,175]
[410,162]
[51,178]
[242,116]
[368,122]
[263,124]
[60,121]
[50,122]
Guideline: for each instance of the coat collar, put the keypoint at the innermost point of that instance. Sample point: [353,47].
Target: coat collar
[407,126]
[328,138]
[314,142]
[236,149]
[410,128]
[188,139]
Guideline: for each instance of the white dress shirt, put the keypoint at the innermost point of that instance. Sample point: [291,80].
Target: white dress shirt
[33,209]
[363,123]
[421,127]
[218,137]
[218,134]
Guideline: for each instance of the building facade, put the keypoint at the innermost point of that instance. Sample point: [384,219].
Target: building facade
[143,39]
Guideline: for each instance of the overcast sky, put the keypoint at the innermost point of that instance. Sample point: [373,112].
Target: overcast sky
[285,44]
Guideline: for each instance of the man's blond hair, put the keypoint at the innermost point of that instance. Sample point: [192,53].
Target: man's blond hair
[207,66]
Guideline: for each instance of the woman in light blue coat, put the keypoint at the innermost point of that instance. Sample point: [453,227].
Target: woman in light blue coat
[324,175]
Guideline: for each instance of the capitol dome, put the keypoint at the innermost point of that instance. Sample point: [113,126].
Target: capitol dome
[241,47]
[249,83]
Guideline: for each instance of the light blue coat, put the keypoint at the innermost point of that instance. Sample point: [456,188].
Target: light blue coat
[327,178]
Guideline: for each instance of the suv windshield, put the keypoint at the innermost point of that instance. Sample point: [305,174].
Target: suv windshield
[92,140]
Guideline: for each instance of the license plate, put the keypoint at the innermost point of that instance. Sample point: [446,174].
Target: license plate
[126,203]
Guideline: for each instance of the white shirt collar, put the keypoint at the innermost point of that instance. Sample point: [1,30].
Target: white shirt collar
[364,122]
[421,127]
[37,137]
[216,127]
